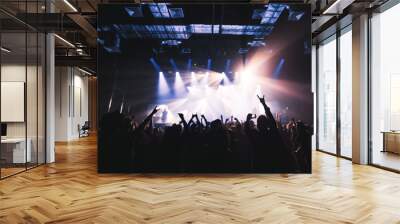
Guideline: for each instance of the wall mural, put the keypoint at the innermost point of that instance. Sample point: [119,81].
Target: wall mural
[205,88]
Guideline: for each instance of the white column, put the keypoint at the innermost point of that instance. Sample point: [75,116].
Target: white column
[50,93]
[360,90]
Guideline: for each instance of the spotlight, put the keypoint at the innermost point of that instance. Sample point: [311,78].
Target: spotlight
[162,84]
[179,85]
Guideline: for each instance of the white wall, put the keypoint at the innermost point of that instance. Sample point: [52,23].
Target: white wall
[71,102]
[33,127]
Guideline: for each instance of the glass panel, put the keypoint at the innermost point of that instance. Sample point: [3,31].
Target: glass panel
[314,90]
[327,96]
[31,97]
[41,89]
[385,87]
[346,94]
[23,88]
[13,89]
[32,87]
[41,99]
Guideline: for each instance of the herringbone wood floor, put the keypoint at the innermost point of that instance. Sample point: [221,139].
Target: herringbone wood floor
[71,191]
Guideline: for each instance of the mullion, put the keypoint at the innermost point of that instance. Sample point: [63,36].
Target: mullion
[338,95]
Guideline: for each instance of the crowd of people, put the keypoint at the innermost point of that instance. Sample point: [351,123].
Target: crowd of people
[257,145]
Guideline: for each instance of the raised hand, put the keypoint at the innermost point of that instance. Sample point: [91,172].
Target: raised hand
[262,99]
[181,115]
[155,110]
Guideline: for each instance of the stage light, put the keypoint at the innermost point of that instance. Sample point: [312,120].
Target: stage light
[171,42]
[163,88]
[110,103]
[121,108]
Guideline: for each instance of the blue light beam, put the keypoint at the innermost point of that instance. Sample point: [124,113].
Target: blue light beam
[155,65]
[173,64]
[179,85]
[209,64]
[278,69]
[189,64]
[163,88]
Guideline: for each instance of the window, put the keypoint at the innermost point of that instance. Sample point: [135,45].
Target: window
[327,95]
[385,89]
[346,93]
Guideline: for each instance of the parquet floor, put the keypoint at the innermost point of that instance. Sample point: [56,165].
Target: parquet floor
[71,191]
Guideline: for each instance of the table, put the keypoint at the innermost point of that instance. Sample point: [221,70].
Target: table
[391,141]
[13,150]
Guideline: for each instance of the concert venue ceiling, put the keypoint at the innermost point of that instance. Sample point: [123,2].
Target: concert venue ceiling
[162,30]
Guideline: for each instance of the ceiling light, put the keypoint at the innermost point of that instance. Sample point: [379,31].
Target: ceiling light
[5,50]
[64,40]
[70,5]
[84,71]
[338,6]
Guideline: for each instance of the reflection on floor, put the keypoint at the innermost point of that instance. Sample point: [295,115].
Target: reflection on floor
[71,191]
[386,159]
[8,170]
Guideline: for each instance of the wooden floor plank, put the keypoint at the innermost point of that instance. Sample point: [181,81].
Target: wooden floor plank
[71,191]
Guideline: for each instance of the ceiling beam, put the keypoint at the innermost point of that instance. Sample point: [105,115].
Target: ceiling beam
[83,61]
[86,27]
